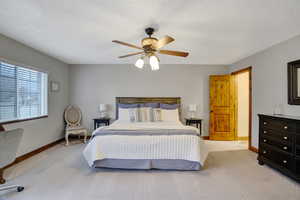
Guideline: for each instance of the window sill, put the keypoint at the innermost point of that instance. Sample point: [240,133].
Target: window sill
[23,120]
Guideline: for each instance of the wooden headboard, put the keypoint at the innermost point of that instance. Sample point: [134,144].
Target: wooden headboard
[133,100]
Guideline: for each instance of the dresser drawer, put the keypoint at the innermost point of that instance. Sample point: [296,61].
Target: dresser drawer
[282,159]
[278,125]
[281,145]
[284,136]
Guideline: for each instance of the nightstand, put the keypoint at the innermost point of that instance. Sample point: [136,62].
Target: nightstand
[197,121]
[99,121]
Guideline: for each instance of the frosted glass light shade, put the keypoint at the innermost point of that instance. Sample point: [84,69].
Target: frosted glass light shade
[102,107]
[192,107]
[154,63]
[102,110]
[139,63]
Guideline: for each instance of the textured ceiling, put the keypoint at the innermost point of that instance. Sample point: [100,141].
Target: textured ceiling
[213,31]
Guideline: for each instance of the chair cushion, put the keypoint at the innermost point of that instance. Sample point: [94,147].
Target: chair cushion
[75,128]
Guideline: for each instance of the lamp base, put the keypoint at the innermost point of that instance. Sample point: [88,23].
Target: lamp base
[192,115]
[103,114]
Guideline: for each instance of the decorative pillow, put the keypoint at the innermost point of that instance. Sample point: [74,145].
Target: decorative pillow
[145,114]
[156,113]
[134,114]
[169,106]
[128,105]
[150,105]
[170,115]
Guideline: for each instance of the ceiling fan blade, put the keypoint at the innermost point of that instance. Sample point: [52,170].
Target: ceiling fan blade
[164,41]
[174,53]
[126,44]
[131,54]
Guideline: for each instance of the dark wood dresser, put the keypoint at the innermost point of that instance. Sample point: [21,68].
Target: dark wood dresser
[279,143]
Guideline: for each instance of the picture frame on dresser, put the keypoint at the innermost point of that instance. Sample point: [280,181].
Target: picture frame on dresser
[294,82]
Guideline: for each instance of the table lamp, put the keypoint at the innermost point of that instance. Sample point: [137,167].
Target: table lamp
[192,110]
[102,110]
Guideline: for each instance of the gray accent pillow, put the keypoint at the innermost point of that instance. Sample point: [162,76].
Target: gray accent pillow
[150,105]
[169,106]
[129,105]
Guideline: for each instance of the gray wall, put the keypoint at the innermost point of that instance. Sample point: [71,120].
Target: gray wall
[42,131]
[91,85]
[270,79]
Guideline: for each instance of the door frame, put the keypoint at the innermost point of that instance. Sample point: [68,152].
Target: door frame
[247,69]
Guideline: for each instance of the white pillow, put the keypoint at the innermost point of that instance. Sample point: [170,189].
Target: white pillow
[145,114]
[129,114]
[124,114]
[170,115]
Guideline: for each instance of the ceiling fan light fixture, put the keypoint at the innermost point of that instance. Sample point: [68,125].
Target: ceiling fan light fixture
[151,47]
[139,63]
[154,63]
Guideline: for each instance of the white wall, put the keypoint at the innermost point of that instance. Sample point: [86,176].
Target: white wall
[42,131]
[243,104]
[270,79]
[91,85]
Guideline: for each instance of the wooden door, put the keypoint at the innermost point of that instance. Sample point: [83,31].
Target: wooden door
[222,118]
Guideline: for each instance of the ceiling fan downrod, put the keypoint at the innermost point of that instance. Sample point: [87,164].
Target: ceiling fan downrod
[149,31]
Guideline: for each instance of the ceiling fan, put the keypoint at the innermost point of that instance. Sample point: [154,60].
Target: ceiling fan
[151,46]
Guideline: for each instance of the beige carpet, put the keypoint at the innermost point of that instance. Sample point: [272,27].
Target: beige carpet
[61,173]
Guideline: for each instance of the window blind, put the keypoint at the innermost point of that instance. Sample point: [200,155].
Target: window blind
[23,93]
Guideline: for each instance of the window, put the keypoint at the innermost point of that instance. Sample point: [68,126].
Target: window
[23,93]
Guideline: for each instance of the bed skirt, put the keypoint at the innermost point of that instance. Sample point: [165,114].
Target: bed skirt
[167,164]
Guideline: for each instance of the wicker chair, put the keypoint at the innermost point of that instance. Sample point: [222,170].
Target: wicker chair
[73,118]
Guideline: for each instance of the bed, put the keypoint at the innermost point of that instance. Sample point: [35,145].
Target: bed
[146,145]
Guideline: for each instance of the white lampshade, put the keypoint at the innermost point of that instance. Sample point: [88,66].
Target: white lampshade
[192,107]
[154,63]
[139,63]
[102,107]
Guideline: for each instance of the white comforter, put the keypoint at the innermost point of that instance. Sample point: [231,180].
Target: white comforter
[183,147]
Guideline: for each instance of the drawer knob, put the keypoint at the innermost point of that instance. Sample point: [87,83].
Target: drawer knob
[285,137]
[265,123]
[284,161]
[285,127]
[264,152]
[285,148]
[265,140]
[265,131]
